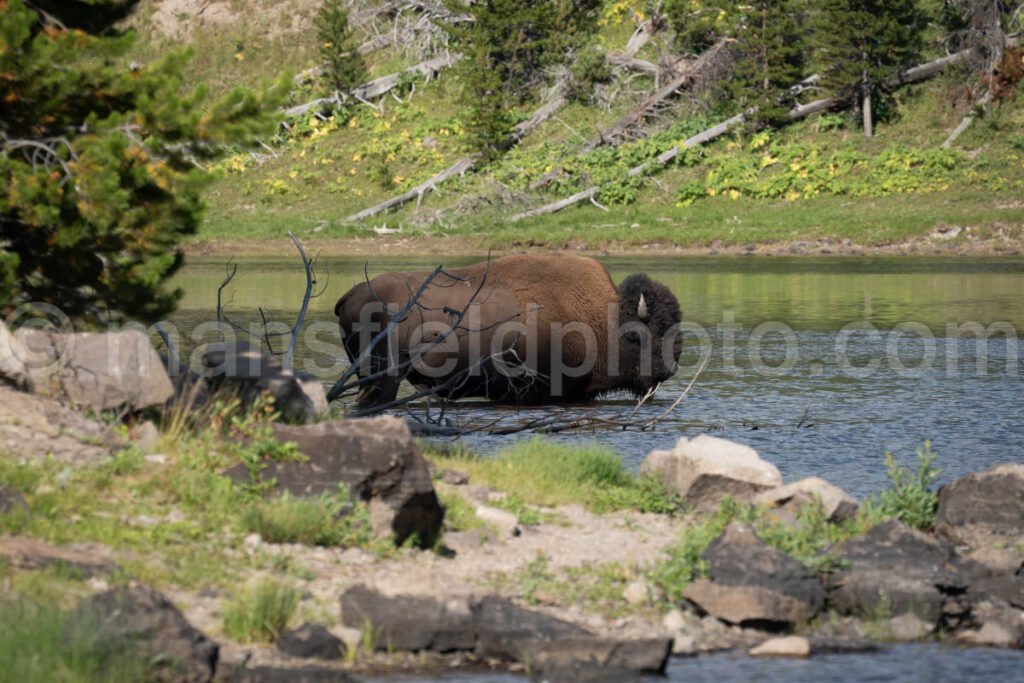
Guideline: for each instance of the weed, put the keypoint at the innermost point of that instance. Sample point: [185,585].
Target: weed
[909,497]
[459,515]
[261,612]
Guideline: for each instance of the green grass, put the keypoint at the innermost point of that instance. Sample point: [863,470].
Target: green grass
[325,521]
[546,473]
[260,613]
[40,642]
[459,514]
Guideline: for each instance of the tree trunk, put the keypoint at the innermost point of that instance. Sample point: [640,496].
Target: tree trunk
[869,129]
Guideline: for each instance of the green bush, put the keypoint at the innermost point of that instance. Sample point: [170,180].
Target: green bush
[260,613]
[909,497]
[343,66]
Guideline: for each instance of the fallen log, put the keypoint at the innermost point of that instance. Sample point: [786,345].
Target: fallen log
[917,73]
[376,87]
[465,164]
[967,120]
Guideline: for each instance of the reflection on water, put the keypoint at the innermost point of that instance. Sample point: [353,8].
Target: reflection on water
[810,397]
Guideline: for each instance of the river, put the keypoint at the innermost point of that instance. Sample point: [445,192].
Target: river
[821,364]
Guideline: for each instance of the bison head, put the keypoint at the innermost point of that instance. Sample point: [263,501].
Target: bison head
[649,344]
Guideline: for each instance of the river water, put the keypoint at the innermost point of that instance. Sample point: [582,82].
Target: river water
[821,364]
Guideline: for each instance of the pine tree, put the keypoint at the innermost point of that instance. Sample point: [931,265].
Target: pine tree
[343,66]
[101,164]
[863,43]
[699,24]
[506,50]
[772,53]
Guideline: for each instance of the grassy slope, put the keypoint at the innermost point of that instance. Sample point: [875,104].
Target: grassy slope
[327,173]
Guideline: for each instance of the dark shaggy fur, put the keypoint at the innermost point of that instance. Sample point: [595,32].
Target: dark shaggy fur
[663,314]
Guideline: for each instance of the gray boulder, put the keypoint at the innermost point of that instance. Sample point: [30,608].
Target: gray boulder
[995,624]
[310,641]
[749,583]
[836,503]
[250,372]
[13,356]
[376,458]
[34,428]
[136,620]
[984,508]
[705,469]
[103,371]
[893,570]
[408,622]
[494,628]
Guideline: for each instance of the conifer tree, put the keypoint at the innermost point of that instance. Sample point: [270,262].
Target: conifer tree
[864,42]
[772,53]
[506,50]
[343,67]
[102,164]
[699,24]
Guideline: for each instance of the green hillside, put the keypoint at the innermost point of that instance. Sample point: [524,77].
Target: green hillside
[817,178]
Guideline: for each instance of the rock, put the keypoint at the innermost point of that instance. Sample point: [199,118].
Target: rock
[837,504]
[271,674]
[997,561]
[751,606]
[454,477]
[13,357]
[502,520]
[752,584]
[590,658]
[310,641]
[147,437]
[410,623]
[1008,588]
[674,620]
[249,373]
[705,469]
[996,624]
[30,554]
[684,646]
[507,632]
[909,627]
[10,501]
[893,570]
[103,371]
[375,458]
[637,593]
[983,508]
[35,428]
[789,646]
[139,620]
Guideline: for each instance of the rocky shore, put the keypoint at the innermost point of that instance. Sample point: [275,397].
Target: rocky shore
[447,573]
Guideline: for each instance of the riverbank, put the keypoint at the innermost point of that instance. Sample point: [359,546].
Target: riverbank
[947,240]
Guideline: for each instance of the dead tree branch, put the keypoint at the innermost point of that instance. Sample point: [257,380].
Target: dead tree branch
[917,73]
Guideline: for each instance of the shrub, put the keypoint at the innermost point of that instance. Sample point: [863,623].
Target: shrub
[909,497]
[343,66]
[260,613]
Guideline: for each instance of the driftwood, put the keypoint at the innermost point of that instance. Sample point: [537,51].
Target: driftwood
[918,73]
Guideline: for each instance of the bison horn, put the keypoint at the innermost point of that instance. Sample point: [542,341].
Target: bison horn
[641,309]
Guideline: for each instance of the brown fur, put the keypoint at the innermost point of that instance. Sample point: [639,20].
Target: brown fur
[549,288]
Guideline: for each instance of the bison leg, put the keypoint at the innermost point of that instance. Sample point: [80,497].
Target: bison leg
[381,392]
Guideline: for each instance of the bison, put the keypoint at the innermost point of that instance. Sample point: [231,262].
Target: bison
[525,329]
